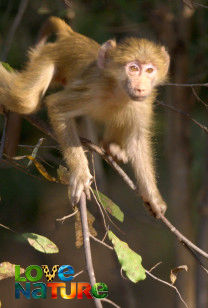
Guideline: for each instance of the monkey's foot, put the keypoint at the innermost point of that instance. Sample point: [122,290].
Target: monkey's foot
[116,151]
[156,209]
[79,181]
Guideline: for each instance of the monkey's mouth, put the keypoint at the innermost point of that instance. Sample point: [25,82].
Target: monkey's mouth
[135,97]
[138,98]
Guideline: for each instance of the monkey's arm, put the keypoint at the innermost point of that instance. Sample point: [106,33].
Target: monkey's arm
[61,112]
[140,155]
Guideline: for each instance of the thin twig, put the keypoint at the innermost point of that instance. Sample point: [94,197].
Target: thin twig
[103,210]
[87,248]
[168,284]
[181,237]
[19,167]
[154,267]
[101,242]
[77,274]
[187,84]
[42,126]
[187,115]
[35,150]
[99,201]
[195,256]
[198,98]
[12,30]
[107,300]
[3,137]
[62,220]
[100,208]
[27,146]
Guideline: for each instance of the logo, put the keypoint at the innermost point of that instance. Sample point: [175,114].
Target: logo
[31,287]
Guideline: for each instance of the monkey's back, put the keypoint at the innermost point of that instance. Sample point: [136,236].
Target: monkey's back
[71,54]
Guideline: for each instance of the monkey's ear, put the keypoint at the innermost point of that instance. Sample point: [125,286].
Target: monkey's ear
[167,58]
[103,52]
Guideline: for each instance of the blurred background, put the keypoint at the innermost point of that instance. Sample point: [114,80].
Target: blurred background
[181,156]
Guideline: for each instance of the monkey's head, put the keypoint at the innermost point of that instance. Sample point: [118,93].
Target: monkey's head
[138,65]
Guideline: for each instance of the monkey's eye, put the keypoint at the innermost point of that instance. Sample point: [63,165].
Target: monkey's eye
[149,70]
[133,68]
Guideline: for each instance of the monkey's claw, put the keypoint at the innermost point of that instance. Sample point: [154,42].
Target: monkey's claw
[79,182]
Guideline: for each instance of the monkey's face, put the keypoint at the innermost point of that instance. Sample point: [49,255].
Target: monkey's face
[140,80]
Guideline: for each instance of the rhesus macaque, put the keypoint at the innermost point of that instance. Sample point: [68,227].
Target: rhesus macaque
[112,83]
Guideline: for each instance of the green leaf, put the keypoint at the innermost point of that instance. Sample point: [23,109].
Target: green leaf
[130,261]
[40,243]
[7,66]
[110,206]
[7,270]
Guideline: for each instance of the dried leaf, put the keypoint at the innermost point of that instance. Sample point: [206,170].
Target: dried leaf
[174,272]
[40,243]
[8,270]
[78,228]
[63,174]
[41,169]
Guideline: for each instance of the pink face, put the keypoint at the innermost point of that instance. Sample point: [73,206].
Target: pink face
[140,79]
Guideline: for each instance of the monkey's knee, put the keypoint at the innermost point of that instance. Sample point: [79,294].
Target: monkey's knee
[24,105]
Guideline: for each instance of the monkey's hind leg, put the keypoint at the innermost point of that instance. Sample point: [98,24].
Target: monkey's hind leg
[21,92]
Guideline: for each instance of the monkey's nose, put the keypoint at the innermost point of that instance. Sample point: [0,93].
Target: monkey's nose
[141,91]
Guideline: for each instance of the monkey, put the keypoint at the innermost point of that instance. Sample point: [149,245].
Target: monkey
[113,83]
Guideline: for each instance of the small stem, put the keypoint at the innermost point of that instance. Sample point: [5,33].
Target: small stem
[87,248]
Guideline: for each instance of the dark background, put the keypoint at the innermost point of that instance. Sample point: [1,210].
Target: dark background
[180,146]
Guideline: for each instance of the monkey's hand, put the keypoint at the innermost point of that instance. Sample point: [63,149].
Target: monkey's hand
[79,181]
[156,207]
[116,151]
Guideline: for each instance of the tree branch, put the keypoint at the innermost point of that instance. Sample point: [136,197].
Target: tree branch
[86,237]
[43,127]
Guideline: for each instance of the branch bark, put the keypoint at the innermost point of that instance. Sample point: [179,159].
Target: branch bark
[86,237]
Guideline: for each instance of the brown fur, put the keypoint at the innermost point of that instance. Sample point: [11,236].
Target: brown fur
[94,78]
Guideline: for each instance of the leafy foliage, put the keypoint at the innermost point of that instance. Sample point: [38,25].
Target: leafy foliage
[130,261]
[40,243]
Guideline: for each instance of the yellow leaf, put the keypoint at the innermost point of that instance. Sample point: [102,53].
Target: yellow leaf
[41,169]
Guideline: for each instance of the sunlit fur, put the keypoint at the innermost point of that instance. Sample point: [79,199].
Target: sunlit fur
[93,78]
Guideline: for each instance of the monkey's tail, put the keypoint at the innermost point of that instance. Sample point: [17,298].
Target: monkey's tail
[6,77]
[53,25]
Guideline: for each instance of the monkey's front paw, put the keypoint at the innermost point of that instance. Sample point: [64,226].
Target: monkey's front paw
[79,181]
[117,152]
[157,209]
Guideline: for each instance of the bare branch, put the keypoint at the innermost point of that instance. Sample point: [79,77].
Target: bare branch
[156,265]
[107,300]
[14,26]
[187,84]
[87,248]
[198,98]
[62,220]
[101,242]
[43,127]
[187,115]
[168,284]
[3,137]
[35,150]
